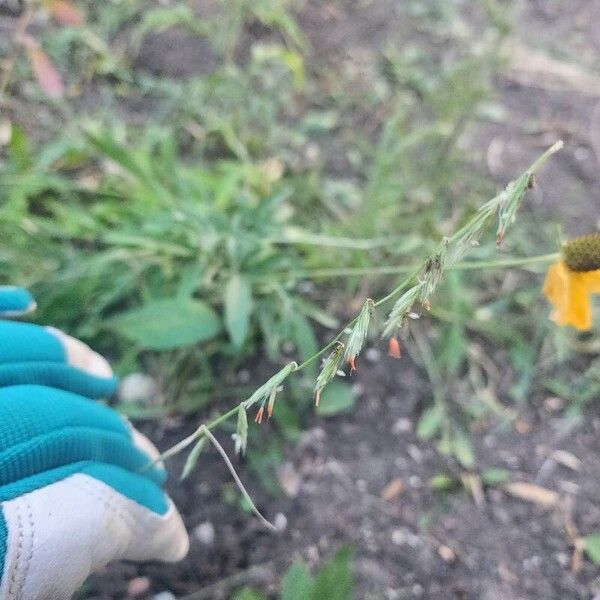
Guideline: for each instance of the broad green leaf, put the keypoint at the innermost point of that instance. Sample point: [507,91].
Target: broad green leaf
[247,593]
[441,482]
[335,580]
[494,476]
[592,547]
[297,582]
[192,458]
[238,304]
[191,278]
[430,422]
[336,398]
[168,323]
[304,336]
[462,448]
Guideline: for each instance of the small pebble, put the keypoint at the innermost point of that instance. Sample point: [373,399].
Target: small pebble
[402,426]
[372,354]
[164,596]
[138,586]
[280,521]
[562,558]
[532,563]
[289,479]
[581,153]
[205,533]
[139,387]
[415,481]
[446,553]
[403,535]
[415,453]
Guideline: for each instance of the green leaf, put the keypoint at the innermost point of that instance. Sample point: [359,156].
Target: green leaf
[462,448]
[430,422]
[442,482]
[238,304]
[297,582]
[592,547]
[159,19]
[494,476]
[19,148]
[242,428]
[247,593]
[303,336]
[168,323]
[121,156]
[192,458]
[336,398]
[335,580]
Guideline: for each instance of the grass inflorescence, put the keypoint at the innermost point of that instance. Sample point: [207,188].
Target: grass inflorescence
[350,340]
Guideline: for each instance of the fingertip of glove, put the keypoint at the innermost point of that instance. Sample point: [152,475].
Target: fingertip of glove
[15,301]
[81,356]
[179,545]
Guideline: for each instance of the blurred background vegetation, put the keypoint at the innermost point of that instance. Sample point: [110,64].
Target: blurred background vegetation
[205,217]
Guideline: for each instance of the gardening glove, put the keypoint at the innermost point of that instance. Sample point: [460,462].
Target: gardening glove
[77,485]
[46,356]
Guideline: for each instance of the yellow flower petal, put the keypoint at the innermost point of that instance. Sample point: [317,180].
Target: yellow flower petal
[570,292]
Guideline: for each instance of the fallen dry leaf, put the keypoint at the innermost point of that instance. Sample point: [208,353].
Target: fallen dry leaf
[46,74]
[532,493]
[392,489]
[566,459]
[531,67]
[64,13]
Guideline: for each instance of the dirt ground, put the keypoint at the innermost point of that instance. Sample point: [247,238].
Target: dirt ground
[418,543]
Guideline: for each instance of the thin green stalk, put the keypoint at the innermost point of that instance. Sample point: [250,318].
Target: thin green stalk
[471,265]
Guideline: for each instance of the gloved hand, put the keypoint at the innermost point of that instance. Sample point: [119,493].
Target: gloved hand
[76,491]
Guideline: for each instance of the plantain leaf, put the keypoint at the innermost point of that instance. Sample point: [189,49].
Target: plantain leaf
[168,323]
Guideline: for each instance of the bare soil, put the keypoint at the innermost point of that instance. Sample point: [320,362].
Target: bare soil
[417,543]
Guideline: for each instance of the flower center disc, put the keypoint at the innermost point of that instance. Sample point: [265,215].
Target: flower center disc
[583,253]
